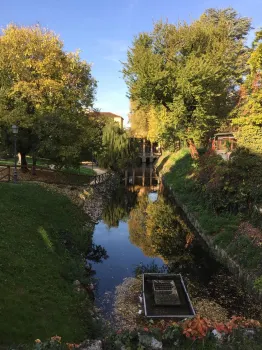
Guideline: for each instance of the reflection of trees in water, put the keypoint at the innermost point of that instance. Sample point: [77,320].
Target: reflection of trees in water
[137,227]
[158,230]
[168,233]
[119,207]
[97,253]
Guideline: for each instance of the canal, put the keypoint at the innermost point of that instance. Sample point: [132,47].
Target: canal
[142,228]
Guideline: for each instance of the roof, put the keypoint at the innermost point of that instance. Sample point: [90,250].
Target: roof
[228,135]
[224,134]
[109,114]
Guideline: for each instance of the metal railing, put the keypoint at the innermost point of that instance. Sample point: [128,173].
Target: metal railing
[5,173]
[98,179]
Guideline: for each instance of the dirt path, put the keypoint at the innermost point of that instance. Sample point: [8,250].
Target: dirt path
[98,170]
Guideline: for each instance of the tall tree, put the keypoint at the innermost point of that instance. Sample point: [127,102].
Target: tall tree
[190,70]
[138,119]
[40,82]
[119,150]
[248,113]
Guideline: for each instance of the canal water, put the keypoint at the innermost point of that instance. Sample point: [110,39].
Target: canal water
[142,228]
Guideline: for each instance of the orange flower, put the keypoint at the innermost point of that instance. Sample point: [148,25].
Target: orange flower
[56,338]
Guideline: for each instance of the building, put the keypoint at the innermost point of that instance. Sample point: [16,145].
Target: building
[116,118]
[223,144]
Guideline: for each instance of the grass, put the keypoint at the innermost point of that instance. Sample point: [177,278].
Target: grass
[42,236]
[177,169]
[82,170]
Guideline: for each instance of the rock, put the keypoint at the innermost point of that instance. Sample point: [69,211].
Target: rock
[156,344]
[150,342]
[249,332]
[217,335]
[91,345]
[77,283]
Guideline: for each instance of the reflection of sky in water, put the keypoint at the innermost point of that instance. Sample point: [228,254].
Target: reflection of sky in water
[123,256]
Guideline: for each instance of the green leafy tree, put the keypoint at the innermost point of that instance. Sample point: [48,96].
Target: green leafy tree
[119,150]
[191,71]
[138,118]
[248,113]
[42,86]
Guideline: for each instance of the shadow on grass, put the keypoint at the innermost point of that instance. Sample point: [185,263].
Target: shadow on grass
[220,211]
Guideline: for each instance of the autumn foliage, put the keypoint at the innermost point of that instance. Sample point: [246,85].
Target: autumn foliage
[198,327]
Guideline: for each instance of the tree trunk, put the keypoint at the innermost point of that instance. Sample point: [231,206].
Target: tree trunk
[193,150]
[33,170]
[24,167]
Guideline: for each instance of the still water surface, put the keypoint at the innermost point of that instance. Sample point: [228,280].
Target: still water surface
[122,232]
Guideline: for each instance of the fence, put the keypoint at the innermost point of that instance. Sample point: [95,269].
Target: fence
[54,176]
[5,173]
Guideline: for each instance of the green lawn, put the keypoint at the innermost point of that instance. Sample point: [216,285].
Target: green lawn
[42,237]
[82,170]
[177,168]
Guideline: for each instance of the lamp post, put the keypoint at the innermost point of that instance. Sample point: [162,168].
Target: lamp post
[15,132]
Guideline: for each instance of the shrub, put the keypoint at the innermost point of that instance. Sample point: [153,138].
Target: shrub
[233,186]
[258,283]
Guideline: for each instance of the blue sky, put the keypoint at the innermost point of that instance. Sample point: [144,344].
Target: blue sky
[103,30]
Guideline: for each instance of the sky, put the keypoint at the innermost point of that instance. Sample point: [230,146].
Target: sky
[104,29]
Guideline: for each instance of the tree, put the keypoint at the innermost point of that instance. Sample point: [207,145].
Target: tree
[190,70]
[138,118]
[248,113]
[42,86]
[119,150]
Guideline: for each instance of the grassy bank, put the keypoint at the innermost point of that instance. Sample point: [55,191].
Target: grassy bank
[42,238]
[179,170]
[45,163]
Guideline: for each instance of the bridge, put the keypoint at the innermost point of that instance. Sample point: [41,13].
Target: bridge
[149,151]
[144,176]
